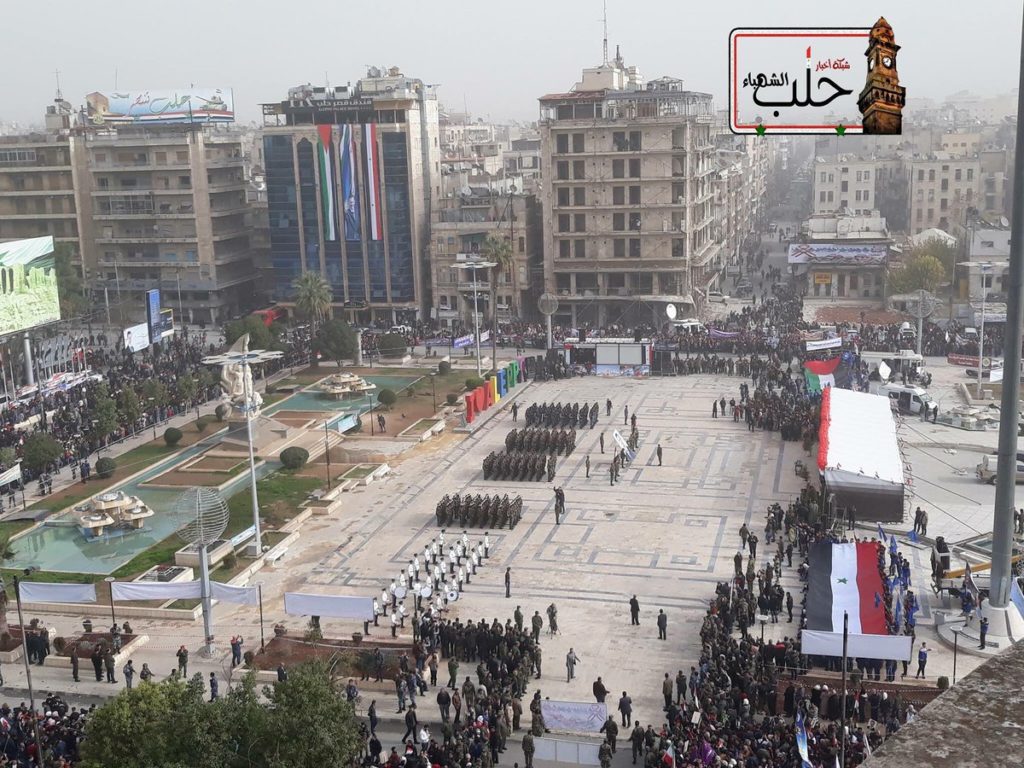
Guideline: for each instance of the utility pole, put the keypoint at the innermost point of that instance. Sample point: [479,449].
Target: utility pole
[996,607]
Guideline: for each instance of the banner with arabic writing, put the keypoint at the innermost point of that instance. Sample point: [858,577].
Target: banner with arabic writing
[814,80]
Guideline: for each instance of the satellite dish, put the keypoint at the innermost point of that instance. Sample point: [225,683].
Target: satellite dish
[547,304]
[1004,221]
[670,311]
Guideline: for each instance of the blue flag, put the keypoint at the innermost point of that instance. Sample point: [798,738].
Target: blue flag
[898,610]
[881,534]
[913,536]
[801,740]
[892,544]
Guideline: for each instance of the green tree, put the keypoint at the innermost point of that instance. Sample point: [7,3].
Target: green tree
[387,397]
[8,456]
[498,249]
[185,389]
[260,336]
[312,298]
[40,450]
[303,721]
[392,345]
[923,271]
[154,393]
[947,254]
[73,301]
[204,379]
[128,406]
[104,414]
[336,340]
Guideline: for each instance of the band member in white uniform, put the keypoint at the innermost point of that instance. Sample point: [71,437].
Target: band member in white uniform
[487,545]
[376,611]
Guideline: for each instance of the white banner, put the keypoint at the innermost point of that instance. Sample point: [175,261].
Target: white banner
[995,374]
[562,751]
[40,592]
[11,475]
[814,346]
[587,717]
[621,442]
[229,593]
[155,590]
[332,606]
[898,647]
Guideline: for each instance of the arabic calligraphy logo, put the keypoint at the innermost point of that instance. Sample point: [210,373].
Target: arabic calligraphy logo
[781,80]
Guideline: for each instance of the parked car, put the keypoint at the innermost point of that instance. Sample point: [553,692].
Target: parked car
[717,296]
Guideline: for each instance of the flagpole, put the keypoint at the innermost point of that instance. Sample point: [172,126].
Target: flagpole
[842,721]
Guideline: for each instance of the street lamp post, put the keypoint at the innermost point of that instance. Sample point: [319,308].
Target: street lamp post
[956,645]
[433,390]
[110,587]
[327,452]
[474,265]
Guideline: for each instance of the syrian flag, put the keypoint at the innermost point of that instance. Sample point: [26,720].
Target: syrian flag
[820,373]
[845,578]
[328,207]
[373,180]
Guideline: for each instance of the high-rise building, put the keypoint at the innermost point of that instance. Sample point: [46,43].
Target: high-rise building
[628,198]
[164,206]
[351,175]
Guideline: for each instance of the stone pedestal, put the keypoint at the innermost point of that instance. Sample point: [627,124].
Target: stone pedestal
[265,431]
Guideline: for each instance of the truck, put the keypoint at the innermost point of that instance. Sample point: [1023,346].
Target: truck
[908,399]
[986,469]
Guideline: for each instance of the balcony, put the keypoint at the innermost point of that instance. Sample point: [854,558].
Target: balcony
[703,255]
[29,216]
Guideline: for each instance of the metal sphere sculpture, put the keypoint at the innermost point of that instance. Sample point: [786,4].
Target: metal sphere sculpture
[203,513]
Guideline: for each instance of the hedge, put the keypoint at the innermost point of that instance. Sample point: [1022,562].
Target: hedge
[294,457]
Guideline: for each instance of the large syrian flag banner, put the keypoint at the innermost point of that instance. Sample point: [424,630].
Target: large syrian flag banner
[844,579]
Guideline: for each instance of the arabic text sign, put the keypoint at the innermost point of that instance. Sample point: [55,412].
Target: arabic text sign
[796,80]
[587,717]
[815,346]
[187,105]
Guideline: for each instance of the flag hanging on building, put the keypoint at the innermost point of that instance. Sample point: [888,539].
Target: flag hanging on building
[327,203]
[373,180]
[349,195]
[820,373]
[845,578]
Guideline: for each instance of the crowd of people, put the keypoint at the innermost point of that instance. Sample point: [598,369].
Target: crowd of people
[60,730]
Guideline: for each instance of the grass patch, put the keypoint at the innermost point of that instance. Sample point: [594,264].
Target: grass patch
[360,471]
[423,425]
[280,495]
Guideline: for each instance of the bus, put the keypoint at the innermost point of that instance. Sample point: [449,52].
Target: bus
[271,315]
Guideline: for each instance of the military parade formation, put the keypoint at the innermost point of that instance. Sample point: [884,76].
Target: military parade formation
[530,440]
[480,511]
[556,415]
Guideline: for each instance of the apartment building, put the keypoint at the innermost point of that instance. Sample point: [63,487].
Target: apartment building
[460,224]
[37,196]
[352,174]
[847,183]
[628,199]
[942,189]
[164,206]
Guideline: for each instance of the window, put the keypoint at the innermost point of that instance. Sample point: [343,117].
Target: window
[564,249]
[618,195]
[931,213]
[944,186]
[822,178]
[844,186]
[867,175]
[182,156]
[184,182]
[619,222]
[561,143]
[579,223]
[634,168]
[970,174]
[859,176]
[579,169]
[522,245]
[867,195]
[634,141]
[619,248]
[579,249]
[161,158]
[563,195]
[821,197]
[830,197]
[844,204]
[579,196]
[634,248]
[931,174]
[563,222]
[856,196]
[634,222]
[619,143]
[634,195]
[577,142]
[562,170]
[831,178]
[618,169]
[942,204]
[957,174]
[920,175]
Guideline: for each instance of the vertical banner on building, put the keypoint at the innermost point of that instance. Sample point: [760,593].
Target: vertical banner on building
[327,203]
[373,180]
[350,197]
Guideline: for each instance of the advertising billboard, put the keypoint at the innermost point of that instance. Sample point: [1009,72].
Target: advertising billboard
[28,285]
[136,338]
[161,321]
[162,107]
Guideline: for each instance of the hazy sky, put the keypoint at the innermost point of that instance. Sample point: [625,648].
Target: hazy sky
[499,57]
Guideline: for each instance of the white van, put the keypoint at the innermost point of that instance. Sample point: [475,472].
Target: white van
[986,470]
[908,399]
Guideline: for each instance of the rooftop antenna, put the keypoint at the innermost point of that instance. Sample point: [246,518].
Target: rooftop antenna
[60,96]
[604,40]
[115,78]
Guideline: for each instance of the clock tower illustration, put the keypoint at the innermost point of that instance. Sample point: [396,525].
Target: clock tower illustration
[882,99]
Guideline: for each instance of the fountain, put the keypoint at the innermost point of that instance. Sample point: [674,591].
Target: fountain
[113,509]
[345,386]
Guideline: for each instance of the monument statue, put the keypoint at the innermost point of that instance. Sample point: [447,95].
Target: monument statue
[236,380]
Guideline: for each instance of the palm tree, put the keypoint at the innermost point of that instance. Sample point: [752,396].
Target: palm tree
[313,299]
[498,249]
